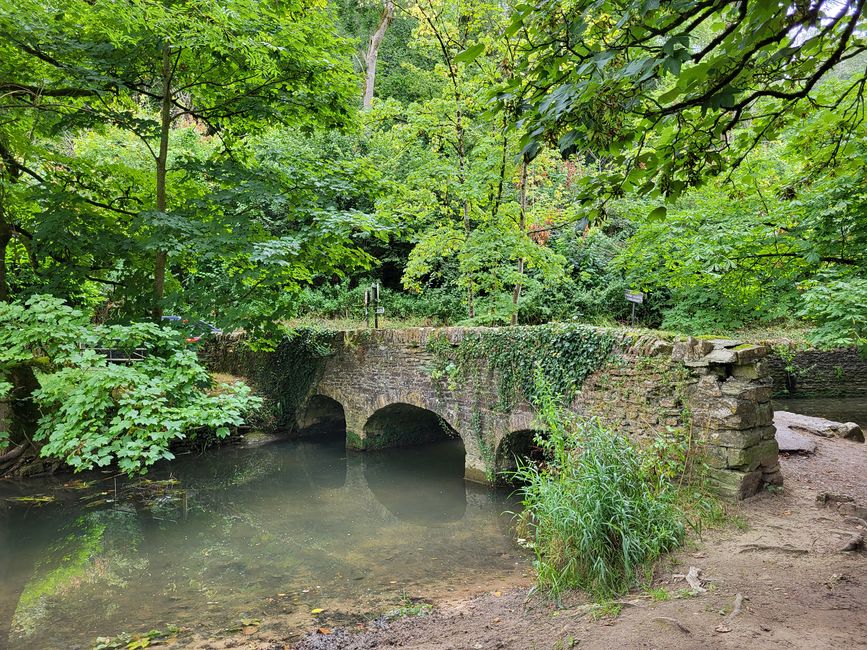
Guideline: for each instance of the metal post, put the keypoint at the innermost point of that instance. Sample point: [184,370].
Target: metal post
[367,308]
[376,305]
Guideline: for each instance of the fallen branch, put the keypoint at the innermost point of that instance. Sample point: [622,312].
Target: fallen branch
[13,453]
[736,609]
[725,626]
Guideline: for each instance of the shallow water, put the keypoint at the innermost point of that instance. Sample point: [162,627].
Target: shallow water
[244,533]
[843,409]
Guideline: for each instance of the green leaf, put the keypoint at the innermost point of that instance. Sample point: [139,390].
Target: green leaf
[658,213]
[470,54]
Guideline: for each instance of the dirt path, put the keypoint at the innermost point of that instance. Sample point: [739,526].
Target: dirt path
[798,589]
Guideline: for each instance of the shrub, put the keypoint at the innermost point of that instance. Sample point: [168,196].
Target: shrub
[597,520]
[94,412]
[838,307]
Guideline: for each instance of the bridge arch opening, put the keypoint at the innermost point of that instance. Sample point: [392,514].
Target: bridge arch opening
[418,471]
[516,447]
[403,425]
[323,418]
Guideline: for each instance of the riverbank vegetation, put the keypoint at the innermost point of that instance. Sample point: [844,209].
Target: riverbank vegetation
[597,514]
[251,165]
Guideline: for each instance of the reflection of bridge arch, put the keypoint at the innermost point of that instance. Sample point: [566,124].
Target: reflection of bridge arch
[421,484]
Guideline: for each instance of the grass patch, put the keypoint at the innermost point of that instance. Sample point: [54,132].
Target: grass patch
[410,607]
[658,594]
[597,519]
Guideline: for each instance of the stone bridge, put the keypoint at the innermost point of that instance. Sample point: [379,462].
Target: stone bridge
[379,385]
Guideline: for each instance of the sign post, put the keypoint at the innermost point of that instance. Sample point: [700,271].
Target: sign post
[367,308]
[378,310]
[636,298]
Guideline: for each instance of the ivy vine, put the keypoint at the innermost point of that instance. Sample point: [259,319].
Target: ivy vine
[284,376]
[566,354]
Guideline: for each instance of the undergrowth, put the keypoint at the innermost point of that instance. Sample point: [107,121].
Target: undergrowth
[596,517]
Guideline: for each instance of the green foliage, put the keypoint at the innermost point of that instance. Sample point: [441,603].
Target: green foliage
[95,412]
[597,520]
[170,95]
[838,307]
[565,353]
[661,89]
[438,305]
[410,607]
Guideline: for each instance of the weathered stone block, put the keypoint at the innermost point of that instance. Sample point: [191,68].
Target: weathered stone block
[735,485]
[660,347]
[722,356]
[716,457]
[756,390]
[737,438]
[758,370]
[725,343]
[764,414]
[709,386]
[762,454]
[751,353]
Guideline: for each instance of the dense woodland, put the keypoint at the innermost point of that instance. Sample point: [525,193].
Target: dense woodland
[490,163]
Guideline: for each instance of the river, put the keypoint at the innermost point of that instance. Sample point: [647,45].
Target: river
[210,541]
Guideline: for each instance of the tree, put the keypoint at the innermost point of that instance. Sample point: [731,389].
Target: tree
[373,51]
[673,92]
[226,69]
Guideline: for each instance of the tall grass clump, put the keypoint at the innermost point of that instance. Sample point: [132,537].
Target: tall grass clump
[596,518]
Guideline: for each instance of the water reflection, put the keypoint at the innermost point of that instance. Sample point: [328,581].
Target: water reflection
[422,485]
[243,533]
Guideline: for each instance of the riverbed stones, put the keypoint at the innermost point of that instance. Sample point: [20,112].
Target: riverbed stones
[794,443]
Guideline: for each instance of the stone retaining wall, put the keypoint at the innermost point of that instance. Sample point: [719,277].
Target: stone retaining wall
[819,373]
[719,390]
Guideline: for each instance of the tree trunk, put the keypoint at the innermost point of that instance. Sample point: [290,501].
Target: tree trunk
[162,157]
[522,227]
[23,413]
[5,238]
[373,51]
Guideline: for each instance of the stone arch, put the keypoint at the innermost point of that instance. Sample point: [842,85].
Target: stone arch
[515,445]
[323,417]
[401,424]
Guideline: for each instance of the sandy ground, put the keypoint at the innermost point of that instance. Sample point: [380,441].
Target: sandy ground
[797,588]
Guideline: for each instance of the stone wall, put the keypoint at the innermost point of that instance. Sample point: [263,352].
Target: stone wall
[819,373]
[717,391]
